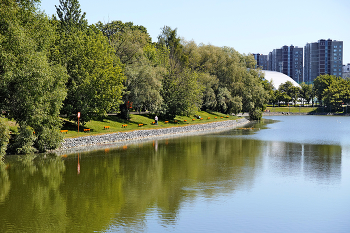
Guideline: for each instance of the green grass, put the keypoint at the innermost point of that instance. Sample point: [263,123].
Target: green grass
[115,123]
[293,109]
[301,109]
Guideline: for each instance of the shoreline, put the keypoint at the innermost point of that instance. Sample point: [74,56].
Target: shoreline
[96,142]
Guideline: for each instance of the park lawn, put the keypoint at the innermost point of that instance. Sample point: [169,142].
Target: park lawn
[293,109]
[115,123]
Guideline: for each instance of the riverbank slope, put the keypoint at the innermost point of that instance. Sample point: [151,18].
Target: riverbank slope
[71,145]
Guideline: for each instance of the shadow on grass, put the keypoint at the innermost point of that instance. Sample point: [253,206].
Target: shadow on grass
[67,125]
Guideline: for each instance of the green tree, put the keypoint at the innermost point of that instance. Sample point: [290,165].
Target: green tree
[224,100]
[306,92]
[182,93]
[32,86]
[321,83]
[295,94]
[143,86]
[170,39]
[286,90]
[70,17]
[337,93]
[95,75]
[127,40]
[209,84]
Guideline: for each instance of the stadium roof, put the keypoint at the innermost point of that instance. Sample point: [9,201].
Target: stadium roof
[277,78]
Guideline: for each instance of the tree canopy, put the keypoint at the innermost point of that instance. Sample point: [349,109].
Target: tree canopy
[58,66]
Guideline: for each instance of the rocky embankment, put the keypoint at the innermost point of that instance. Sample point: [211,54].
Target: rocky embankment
[116,138]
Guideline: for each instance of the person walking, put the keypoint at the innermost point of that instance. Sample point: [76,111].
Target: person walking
[156,120]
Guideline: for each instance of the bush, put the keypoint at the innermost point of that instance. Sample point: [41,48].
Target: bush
[48,139]
[255,114]
[24,141]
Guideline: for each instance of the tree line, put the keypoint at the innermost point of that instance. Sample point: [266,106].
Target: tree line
[326,90]
[60,65]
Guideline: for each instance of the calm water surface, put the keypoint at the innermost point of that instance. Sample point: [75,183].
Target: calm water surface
[286,174]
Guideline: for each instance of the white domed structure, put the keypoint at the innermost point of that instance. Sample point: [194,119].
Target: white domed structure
[277,78]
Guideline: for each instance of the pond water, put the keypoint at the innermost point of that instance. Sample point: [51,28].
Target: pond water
[284,174]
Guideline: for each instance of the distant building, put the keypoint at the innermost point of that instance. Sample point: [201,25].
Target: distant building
[276,60]
[323,57]
[346,71]
[287,60]
[261,61]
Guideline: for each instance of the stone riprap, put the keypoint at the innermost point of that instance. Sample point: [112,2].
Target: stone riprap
[136,135]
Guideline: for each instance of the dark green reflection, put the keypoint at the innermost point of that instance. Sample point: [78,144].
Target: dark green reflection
[91,191]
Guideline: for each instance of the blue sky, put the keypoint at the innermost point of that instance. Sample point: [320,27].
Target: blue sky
[249,26]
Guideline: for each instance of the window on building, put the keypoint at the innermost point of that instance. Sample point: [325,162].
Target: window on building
[335,50]
[339,74]
[339,50]
[334,69]
[339,46]
[334,73]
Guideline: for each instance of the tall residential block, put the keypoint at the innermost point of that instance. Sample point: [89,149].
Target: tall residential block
[287,60]
[261,61]
[323,57]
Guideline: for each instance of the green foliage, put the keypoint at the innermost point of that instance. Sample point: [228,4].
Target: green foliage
[63,66]
[24,141]
[255,114]
[182,93]
[126,39]
[209,84]
[170,39]
[4,137]
[289,92]
[321,83]
[48,139]
[337,93]
[143,86]
[306,92]
[224,100]
[95,75]
[32,87]
[237,105]
[69,14]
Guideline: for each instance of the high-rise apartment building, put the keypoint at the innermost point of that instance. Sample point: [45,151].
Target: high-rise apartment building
[261,61]
[287,60]
[346,71]
[275,59]
[323,57]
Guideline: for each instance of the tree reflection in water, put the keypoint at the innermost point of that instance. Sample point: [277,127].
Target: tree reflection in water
[122,187]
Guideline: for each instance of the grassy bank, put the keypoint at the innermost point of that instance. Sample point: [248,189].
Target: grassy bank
[137,122]
[293,109]
[300,109]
